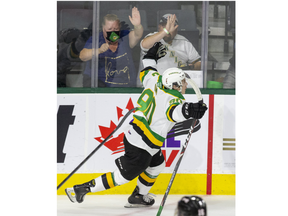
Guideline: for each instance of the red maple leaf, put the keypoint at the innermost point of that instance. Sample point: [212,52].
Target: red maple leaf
[130,105]
[115,144]
[119,112]
[105,131]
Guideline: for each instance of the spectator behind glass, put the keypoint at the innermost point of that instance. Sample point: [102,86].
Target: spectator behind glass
[180,51]
[71,42]
[115,67]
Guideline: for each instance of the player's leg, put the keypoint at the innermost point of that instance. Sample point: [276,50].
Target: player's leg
[103,182]
[134,161]
[140,196]
[147,178]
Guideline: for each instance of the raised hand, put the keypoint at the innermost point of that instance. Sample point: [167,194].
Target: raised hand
[136,18]
[170,26]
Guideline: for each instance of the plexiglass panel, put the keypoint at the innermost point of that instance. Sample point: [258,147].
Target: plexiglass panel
[101,44]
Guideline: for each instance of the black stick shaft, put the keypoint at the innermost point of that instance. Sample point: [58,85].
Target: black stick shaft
[96,149]
[176,169]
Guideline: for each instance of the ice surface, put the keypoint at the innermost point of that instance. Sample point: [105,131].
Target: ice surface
[108,205]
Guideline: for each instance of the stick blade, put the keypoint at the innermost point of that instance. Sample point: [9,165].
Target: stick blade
[129,205]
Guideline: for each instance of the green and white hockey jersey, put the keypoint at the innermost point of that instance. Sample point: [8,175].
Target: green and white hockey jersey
[157,112]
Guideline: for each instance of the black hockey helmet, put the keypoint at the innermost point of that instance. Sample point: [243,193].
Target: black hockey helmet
[191,206]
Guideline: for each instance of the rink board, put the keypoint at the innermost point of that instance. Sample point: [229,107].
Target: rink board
[223,184]
[84,120]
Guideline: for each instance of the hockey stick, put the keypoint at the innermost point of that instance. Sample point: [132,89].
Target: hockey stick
[200,99]
[101,144]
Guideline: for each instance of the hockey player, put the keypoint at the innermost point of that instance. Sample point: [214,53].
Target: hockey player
[191,206]
[160,106]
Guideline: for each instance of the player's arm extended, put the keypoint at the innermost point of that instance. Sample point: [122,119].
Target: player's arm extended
[157,51]
[150,61]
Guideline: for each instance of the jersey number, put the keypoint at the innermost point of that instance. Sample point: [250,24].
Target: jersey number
[146,104]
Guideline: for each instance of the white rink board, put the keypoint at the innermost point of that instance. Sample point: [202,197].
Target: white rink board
[92,111]
[224,129]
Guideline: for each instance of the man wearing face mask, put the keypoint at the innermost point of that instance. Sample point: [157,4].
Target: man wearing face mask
[115,63]
[180,51]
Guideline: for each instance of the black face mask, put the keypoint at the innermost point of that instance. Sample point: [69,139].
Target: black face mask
[113,36]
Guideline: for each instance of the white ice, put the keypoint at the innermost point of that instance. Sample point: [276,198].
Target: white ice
[108,205]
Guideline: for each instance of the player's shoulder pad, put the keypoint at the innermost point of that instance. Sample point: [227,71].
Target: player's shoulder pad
[145,71]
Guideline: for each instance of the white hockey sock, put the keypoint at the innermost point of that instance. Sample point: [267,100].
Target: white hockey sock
[119,179]
[98,185]
[143,189]
[107,181]
[147,179]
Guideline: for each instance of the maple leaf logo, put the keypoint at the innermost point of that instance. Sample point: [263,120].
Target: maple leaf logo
[115,144]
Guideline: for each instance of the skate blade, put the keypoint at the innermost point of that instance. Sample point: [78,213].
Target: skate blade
[70,192]
[129,205]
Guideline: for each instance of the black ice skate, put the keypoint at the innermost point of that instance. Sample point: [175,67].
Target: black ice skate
[137,200]
[79,191]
